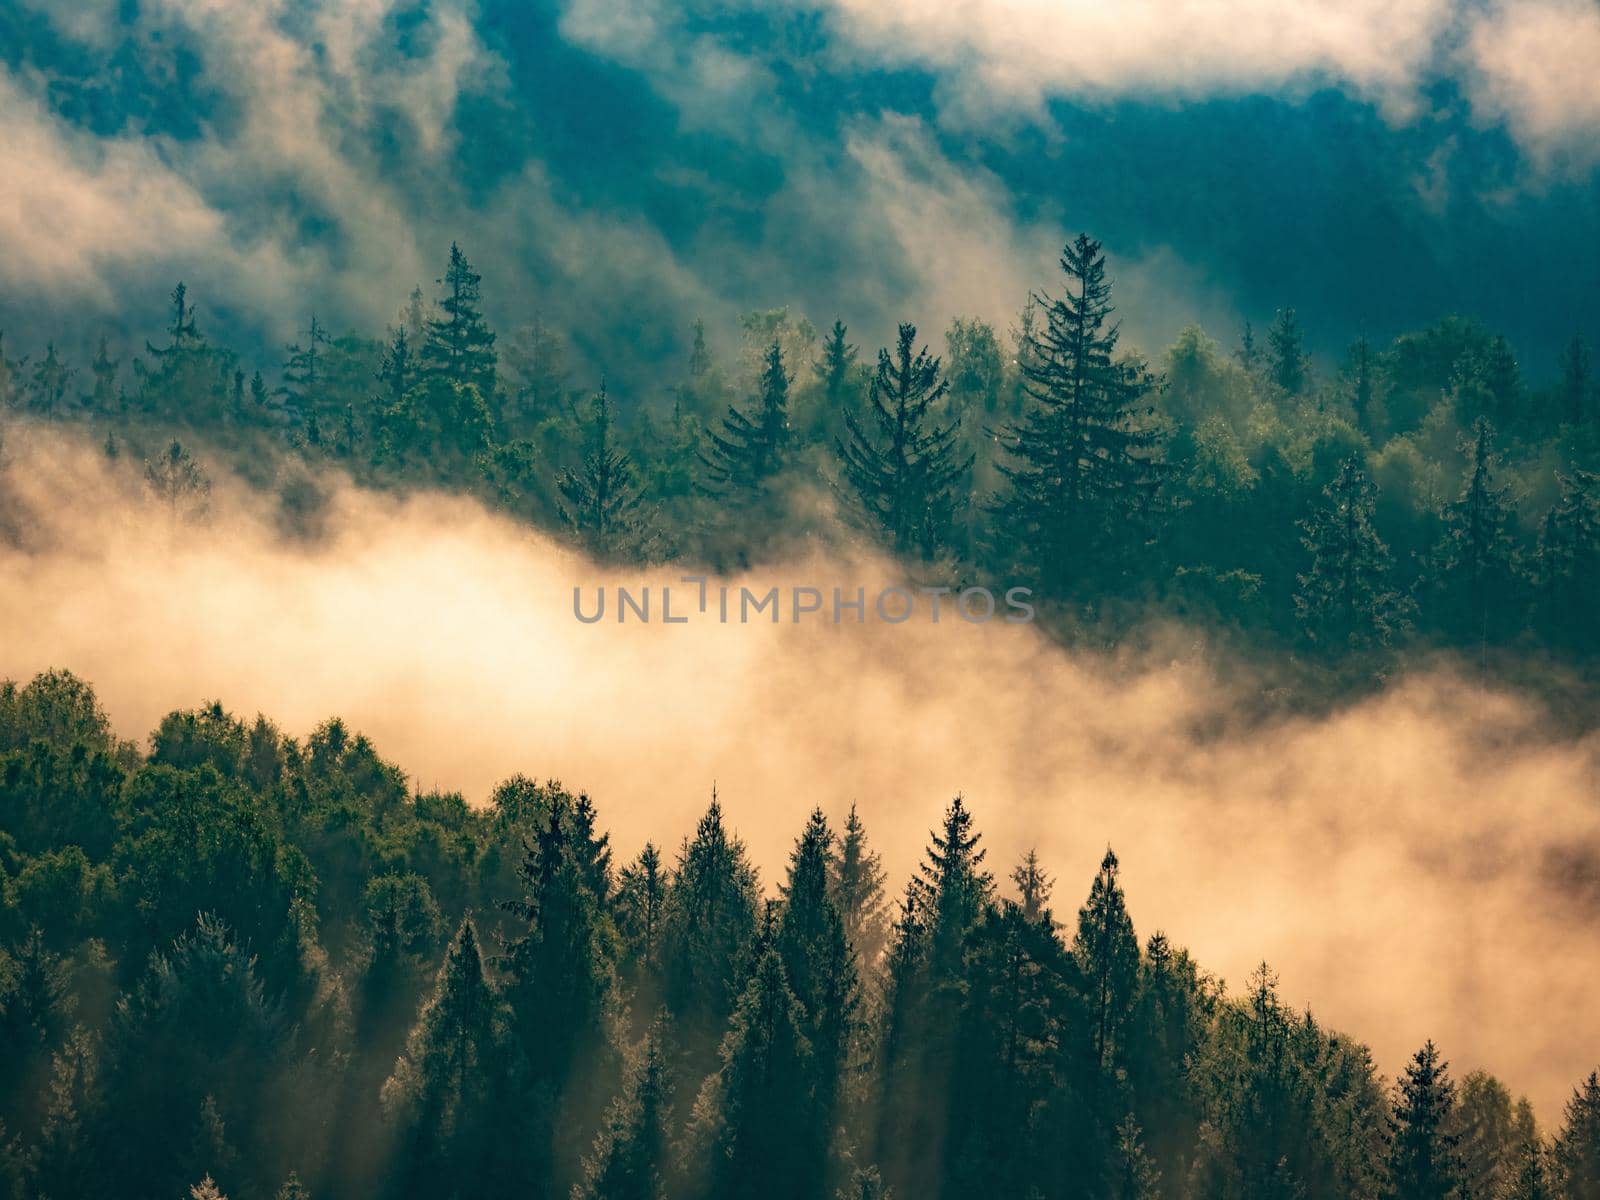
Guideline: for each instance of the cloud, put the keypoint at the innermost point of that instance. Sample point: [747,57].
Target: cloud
[1535,64]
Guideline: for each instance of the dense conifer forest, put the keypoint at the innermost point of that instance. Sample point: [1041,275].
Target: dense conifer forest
[245,965]
[238,964]
[1420,496]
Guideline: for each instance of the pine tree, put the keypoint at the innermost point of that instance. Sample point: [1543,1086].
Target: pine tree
[1081,472]
[1136,1177]
[1287,353]
[460,345]
[1423,1161]
[1033,886]
[820,968]
[305,374]
[699,356]
[858,879]
[1472,569]
[709,918]
[1575,404]
[1567,570]
[444,1087]
[629,1159]
[293,1189]
[753,445]
[1106,954]
[1576,1153]
[953,887]
[639,908]
[1248,354]
[837,369]
[51,378]
[1531,1175]
[903,466]
[176,480]
[206,1189]
[1345,601]
[602,499]
[104,396]
[741,1129]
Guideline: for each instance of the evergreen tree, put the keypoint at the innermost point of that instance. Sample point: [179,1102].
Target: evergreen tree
[741,1129]
[858,879]
[1576,1153]
[1531,1175]
[1033,886]
[1345,601]
[51,378]
[753,444]
[639,911]
[1361,383]
[1248,353]
[601,501]
[1081,469]
[820,968]
[709,918]
[460,346]
[1567,572]
[305,373]
[105,396]
[1287,360]
[1472,570]
[1106,955]
[953,887]
[865,1184]
[629,1160]
[837,369]
[904,467]
[444,1088]
[1423,1159]
[293,1189]
[1136,1177]
[177,481]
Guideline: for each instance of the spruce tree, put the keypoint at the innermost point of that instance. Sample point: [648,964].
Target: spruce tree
[1576,1152]
[104,396]
[1248,352]
[51,378]
[1082,469]
[179,483]
[1567,570]
[460,346]
[1345,601]
[820,967]
[1423,1159]
[1287,353]
[639,912]
[1531,1175]
[753,444]
[857,884]
[1033,886]
[1472,570]
[742,1132]
[630,1156]
[446,1085]
[1361,383]
[305,373]
[1106,955]
[837,370]
[902,465]
[709,918]
[601,501]
[953,887]
[1136,1176]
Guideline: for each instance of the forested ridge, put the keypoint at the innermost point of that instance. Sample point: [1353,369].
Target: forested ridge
[1422,495]
[242,964]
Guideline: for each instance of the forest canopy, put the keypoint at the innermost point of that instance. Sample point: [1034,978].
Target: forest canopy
[248,965]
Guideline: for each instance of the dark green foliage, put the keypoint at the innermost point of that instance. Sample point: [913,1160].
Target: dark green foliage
[460,346]
[1346,600]
[601,499]
[630,1158]
[1472,585]
[1424,1163]
[902,464]
[1081,471]
[1575,1156]
[752,445]
[857,882]
[1286,353]
[1106,955]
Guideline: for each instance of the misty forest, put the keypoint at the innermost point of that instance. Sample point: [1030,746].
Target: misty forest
[240,964]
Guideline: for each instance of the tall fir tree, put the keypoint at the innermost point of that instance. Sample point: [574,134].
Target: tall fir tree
[1423,1160]
[1472,572]
[752,446]
[1576,403]
[1567,568]
[1575,1155]
[1082,470]
[1106,955]
[459,345]
[903,466]
[1287,361]
[601,500]
[1033,886]
[1345,600]
[857,883]
[630,1159]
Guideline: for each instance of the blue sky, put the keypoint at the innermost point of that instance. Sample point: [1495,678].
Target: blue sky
[621,166]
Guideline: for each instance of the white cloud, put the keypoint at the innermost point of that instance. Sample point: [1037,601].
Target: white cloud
[1535,64]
